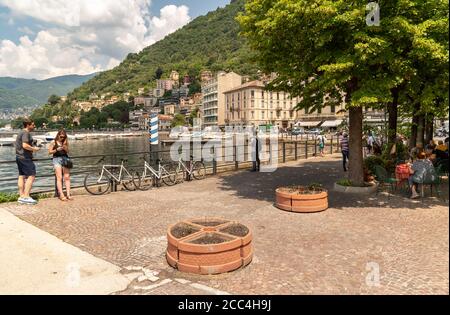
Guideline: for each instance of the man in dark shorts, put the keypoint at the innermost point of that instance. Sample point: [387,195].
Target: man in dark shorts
[25,164]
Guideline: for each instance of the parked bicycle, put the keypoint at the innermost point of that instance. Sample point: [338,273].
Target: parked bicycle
[99,183]
[149,177]
[195,169]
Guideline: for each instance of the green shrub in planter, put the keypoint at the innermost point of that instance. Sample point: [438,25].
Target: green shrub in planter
[371,161]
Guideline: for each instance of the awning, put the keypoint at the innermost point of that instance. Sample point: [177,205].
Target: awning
[332,123]
[309,123]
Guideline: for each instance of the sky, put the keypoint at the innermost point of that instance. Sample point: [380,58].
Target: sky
[40,39]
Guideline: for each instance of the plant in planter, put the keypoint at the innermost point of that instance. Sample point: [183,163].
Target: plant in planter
[312,198]
[346,186]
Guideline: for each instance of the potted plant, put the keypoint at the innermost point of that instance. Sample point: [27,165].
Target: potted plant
[312,198]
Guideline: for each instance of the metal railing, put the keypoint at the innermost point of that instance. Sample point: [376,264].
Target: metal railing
[290,148]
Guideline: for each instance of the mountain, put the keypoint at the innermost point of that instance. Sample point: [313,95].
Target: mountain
[16,92]
[209,42]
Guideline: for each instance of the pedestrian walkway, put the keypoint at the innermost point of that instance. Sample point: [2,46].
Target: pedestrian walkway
[35,262]
[360,245]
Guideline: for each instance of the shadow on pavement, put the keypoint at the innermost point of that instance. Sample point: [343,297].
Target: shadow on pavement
[261,186]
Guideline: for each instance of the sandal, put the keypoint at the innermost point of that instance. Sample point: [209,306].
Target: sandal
[70,198]
[63,199]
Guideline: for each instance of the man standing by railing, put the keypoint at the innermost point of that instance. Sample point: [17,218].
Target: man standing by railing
[25,164]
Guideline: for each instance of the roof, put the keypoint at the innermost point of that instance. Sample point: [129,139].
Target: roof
[165,117]
[251,84]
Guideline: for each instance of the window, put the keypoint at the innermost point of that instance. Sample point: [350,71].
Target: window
[271,95]
[253,103]
[253,115]
[262,94]
[284,104]
[291,114]
[333,109]
[271,114]
[253,94]
[263,114]
[278,95]
[284,115]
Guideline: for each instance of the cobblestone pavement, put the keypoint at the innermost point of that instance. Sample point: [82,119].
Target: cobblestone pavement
[332,252]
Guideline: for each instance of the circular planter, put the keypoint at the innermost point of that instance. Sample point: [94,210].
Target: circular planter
[301,199]
[208,246]
[356,190]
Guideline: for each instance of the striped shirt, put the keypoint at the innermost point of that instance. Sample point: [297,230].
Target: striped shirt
[344,143]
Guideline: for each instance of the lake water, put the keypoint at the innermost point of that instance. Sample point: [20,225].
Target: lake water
[106,146]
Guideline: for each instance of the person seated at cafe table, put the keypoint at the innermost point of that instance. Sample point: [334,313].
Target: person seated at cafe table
[420,169]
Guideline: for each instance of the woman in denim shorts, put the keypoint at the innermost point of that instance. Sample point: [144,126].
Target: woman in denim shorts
[59,149]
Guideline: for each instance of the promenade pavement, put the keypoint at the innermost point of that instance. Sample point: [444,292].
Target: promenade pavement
[338,251]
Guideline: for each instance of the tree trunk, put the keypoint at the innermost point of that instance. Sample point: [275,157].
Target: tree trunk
[420,131]
[429,127]
[415,123]
[356,169]
[393,117]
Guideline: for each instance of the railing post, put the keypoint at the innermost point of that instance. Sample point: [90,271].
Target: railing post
[113,182]
[306,149]
[332,145]
[236,162]
[56,189]
[296,150]
[214,161]
[284,152]
[315,146]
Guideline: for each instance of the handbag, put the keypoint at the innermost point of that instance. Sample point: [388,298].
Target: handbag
[67,162]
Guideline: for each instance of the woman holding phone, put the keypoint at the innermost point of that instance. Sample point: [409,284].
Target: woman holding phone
[59,149]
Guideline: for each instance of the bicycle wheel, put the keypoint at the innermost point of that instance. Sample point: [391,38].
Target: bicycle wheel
[169,176]
[199,170]
[127,182]
[142,182]
[96,185]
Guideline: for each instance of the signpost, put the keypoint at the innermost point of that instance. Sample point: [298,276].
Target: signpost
[154,138]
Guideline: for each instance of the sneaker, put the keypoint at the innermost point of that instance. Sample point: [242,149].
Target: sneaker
[20,200]
[28,201]
[415,196]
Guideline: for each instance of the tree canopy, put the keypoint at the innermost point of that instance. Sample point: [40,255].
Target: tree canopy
[325,47]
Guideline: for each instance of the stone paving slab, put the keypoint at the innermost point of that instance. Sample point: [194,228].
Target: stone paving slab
[334,252]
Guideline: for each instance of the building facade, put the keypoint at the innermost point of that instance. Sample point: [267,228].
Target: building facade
[252,105]
[213,106]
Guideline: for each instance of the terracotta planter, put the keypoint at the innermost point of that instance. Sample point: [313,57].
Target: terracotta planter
[313,201]
[209,246]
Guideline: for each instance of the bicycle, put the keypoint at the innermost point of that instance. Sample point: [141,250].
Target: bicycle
[147,180]
[196,169]
[99,183]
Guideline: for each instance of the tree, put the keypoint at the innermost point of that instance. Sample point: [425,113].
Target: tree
[158,73]
[319,47]
[193,115]
[195,87]
[54,99]
[179,120]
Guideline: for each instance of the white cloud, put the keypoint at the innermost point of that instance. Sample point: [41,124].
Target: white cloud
[26,30]
[101,34]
